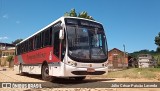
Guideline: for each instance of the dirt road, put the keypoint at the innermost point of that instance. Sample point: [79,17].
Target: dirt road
[70,84]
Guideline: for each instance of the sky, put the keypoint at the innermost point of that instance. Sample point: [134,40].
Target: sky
[133,23]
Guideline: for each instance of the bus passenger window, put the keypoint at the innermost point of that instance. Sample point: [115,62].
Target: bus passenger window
[56,43]
[46,38]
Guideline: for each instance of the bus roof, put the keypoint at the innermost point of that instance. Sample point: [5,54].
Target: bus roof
[61,18]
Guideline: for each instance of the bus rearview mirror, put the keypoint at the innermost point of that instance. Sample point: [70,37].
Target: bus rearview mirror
[61,34]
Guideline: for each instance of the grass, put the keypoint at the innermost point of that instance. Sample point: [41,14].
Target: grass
[149,73]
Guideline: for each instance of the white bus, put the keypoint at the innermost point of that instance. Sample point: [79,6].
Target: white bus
[69,47]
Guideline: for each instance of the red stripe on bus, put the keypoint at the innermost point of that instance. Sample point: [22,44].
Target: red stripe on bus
[38,56]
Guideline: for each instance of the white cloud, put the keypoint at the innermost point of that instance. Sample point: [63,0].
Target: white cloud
[3,38]
[5,16]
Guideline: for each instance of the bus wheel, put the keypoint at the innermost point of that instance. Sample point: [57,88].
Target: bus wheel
[80,78]
[45,73]
[20,70]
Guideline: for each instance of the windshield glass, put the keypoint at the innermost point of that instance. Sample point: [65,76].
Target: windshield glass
[86,43]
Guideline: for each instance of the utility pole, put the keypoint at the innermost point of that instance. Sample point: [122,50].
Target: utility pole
[0,52]
[124,49]
[124,54]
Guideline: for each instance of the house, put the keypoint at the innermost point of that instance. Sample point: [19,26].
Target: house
[117,59]
[5,51]
[6,46]
[146,61]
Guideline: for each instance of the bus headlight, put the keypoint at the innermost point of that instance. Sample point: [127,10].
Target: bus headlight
[75,64]
[106,64]
[72,63]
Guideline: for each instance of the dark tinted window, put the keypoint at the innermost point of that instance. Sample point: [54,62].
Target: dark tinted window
[30,44]
[43,39]
[40,40]
[56,43]
[46,38]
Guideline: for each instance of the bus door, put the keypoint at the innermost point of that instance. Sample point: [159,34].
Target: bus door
[59,45]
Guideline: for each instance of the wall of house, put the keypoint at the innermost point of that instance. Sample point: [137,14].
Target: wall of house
[4,62]
[146,61]
[4,55]
[117,59]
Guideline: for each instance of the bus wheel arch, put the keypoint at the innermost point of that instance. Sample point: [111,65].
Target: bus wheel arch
[45,72]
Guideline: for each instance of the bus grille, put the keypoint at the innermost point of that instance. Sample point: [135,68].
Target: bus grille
[88,73]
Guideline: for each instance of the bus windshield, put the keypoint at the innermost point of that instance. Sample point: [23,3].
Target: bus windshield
[86,43]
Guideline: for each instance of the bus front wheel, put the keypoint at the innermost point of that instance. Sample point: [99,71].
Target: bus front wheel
[45,73]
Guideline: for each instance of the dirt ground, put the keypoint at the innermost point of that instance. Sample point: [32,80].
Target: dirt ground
[9,75]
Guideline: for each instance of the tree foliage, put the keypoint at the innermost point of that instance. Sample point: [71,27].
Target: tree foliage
[72,13]
[83,14]
[157,42]
[145,51]
[9,58]
[16,41]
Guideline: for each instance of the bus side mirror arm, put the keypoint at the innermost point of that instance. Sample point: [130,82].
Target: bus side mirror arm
[61,32]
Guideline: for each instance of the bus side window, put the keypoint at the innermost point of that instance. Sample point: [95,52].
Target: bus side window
[56,42]
[46,38]
[50,36]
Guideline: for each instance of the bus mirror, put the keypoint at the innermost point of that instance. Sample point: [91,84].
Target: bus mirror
[61,34]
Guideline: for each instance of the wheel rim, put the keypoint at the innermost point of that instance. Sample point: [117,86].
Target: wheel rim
[46,72]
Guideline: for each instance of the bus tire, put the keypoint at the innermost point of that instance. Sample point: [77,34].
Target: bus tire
[45,73]
[80,78]
[21,70]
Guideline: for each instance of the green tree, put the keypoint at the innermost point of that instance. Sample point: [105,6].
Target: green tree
[83,14]
[10,60]
[72,13]
[157,42]
[16,41]
[145,51]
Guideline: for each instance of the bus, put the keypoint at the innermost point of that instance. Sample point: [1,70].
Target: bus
[69,47]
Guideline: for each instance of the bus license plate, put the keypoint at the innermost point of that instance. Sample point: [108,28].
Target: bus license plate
[90,70]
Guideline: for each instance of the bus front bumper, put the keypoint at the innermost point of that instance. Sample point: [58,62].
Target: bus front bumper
[77,71]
